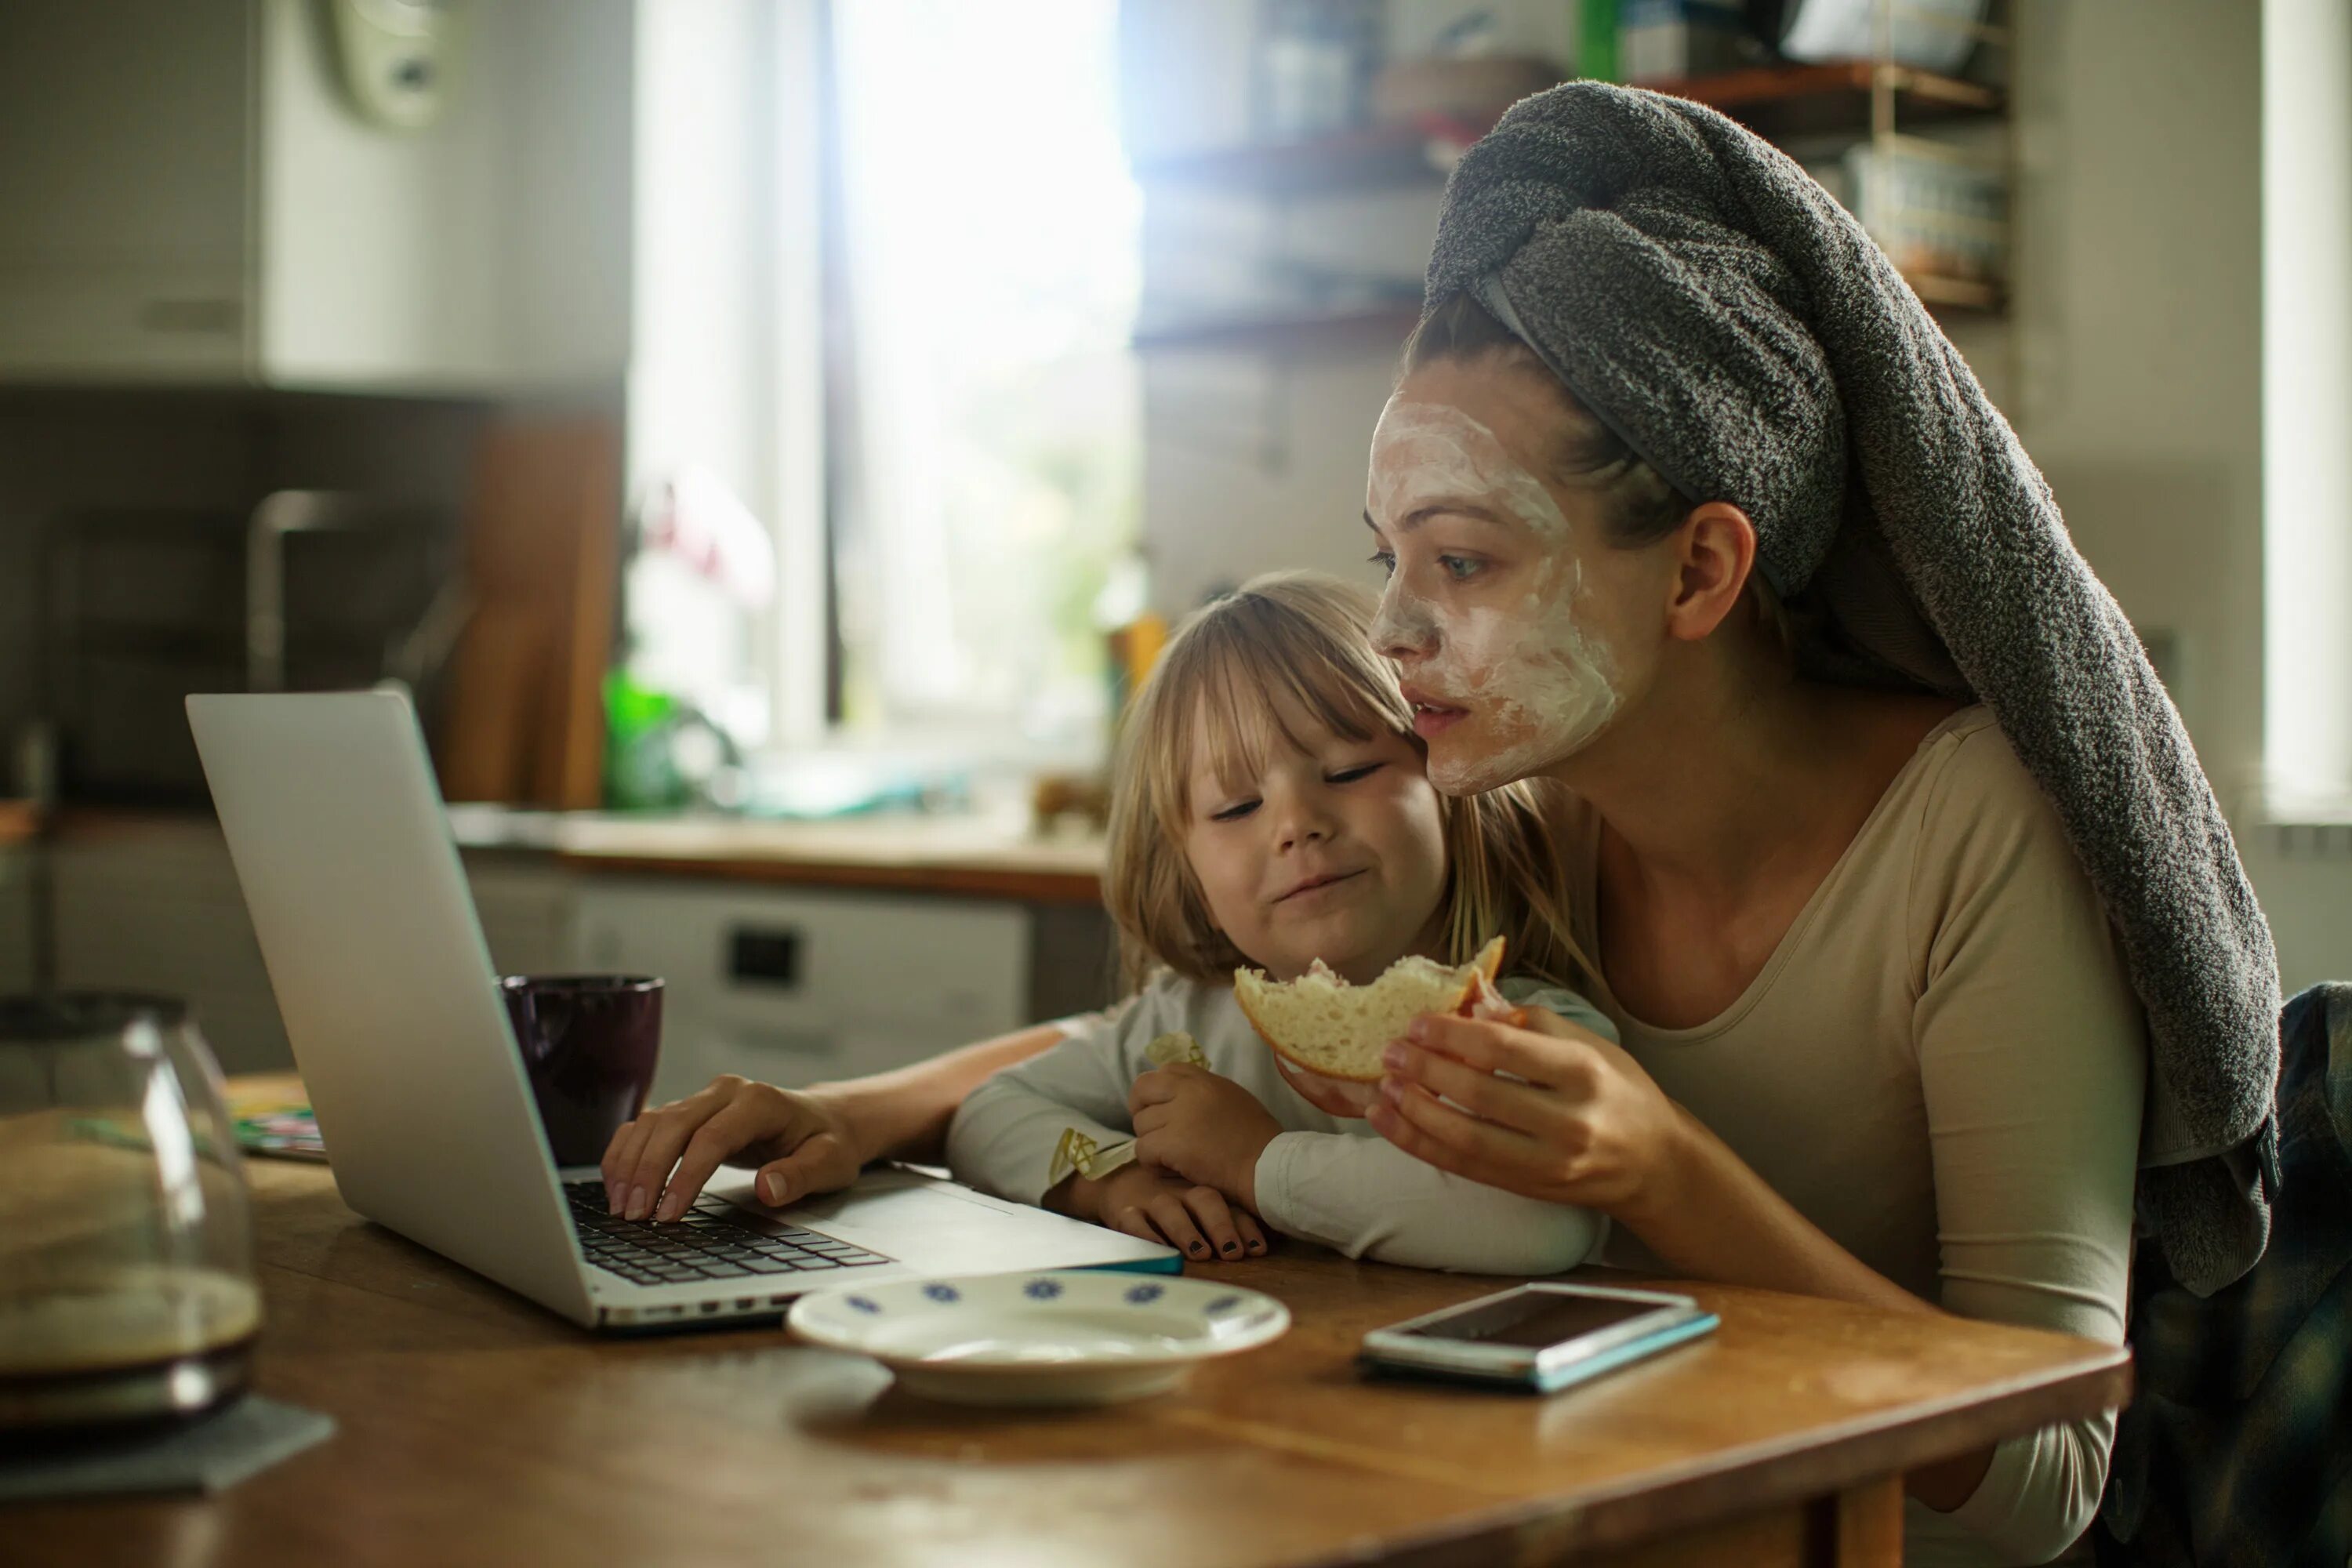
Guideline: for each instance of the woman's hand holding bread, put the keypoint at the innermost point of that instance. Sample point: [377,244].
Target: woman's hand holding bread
[1548,1109]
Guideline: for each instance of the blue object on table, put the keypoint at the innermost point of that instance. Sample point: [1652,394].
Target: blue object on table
[1566,1376]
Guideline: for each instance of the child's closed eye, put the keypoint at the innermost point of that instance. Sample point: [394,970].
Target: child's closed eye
[1234,812]
[1351,775]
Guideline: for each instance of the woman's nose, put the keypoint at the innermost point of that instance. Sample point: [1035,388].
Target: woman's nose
[1400,631]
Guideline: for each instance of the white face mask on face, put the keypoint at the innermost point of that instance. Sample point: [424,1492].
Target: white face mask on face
[1534,682]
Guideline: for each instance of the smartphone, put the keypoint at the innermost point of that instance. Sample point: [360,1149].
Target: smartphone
[1538,1337]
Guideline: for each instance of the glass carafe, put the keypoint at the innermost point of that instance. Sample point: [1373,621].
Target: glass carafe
[127,1290]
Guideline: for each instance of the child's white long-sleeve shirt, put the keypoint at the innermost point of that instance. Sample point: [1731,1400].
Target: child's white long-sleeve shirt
[1323,1178]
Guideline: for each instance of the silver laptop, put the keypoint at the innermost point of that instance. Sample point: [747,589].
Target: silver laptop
[356,892]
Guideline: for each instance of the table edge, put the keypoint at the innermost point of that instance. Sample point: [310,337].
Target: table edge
[1737,1481]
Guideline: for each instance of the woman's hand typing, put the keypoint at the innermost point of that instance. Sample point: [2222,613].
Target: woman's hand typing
[803,1139]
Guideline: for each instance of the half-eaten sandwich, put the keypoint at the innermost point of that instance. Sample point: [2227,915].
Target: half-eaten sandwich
[1322,1024]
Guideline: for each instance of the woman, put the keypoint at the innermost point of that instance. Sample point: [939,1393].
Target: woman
[1895,872]
[1692,508]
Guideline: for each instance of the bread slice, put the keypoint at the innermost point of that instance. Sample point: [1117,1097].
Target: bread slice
[1325,1026]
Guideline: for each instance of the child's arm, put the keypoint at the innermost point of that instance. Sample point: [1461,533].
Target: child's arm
[1363,1196]
[1003,1138]
[1368,1198]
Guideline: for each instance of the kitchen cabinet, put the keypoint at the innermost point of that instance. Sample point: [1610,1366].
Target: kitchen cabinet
[17,927]
[189,196]
[796,986]
[527,908]
[152,904]
[792,984]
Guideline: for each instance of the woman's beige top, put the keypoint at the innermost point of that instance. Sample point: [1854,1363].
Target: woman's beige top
[1942,1066]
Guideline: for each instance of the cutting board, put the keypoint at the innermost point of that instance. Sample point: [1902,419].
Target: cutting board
[523,716]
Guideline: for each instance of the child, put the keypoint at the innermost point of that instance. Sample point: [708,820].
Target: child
[1270,807]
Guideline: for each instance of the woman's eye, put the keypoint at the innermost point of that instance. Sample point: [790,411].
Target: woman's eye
[1234,812]
[1349,775]
[1461,568]
[1386,561]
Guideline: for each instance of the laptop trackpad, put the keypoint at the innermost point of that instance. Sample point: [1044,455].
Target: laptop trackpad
[903,1206]
[907,1217]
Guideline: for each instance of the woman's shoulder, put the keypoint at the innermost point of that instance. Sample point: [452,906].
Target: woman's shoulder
[1984,826]
[1971,777]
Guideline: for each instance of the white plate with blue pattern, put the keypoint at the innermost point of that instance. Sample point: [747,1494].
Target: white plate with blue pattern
[1072,1336]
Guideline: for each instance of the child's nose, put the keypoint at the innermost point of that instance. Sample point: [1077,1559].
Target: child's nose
[1305,823]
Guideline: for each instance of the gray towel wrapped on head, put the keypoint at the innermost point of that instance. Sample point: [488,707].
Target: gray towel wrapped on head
[1711,303]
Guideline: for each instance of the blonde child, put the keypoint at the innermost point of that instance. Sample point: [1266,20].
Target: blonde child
[1271,807]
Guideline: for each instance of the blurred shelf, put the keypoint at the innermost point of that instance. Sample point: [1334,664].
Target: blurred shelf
[20,822]
[1782,100]
[1370,159]
[1957,295]
[1359,327]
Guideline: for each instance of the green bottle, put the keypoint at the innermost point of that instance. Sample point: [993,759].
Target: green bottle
[1596,40]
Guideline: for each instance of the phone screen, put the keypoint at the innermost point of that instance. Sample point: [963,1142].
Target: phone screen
[1534,1319]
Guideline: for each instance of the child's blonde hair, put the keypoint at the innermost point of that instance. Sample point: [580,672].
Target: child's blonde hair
[1297,642]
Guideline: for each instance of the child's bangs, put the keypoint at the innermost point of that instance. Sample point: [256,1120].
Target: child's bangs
[1281,683]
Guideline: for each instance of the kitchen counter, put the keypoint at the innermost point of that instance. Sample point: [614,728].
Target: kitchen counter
[967,856]
[973,857]
[1011,927]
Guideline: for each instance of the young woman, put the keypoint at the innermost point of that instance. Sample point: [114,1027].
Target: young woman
[1929,951]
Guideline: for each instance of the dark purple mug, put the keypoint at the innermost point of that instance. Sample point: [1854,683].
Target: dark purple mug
[589,1043]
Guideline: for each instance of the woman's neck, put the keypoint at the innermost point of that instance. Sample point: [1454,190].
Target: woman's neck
[1726,772]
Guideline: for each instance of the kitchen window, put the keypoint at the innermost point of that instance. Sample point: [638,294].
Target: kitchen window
[888,264]
[986,460]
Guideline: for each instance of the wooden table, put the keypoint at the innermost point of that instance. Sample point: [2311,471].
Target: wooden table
[477,1430]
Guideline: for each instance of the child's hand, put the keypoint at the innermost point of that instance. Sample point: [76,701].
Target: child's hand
[1159,1206]
[1205,1128]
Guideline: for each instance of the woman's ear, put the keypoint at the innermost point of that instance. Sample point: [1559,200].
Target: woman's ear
[1714,551]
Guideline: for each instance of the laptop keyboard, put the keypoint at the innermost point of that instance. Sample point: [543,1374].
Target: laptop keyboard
[713,1240]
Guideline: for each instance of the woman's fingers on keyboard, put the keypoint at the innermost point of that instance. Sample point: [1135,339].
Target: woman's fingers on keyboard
[666,1131]
[706,1149]
[614,1150]
[623,1154]
[662,1148]
[620,1159]
[610,1165]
